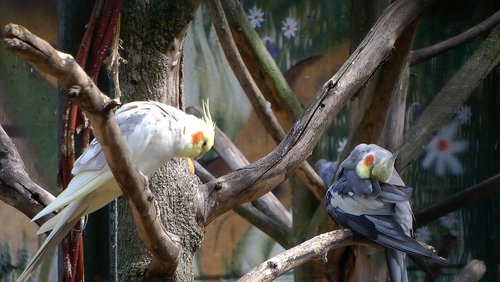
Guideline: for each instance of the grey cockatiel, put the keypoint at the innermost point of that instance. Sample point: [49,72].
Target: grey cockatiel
[326,170]
[369,197]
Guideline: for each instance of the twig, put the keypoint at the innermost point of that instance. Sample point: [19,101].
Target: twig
[424,54]
[261,106]
[459,200]
[16,187]
[298,255]
[97,107]
[256,179]
[452,95]
[472,272]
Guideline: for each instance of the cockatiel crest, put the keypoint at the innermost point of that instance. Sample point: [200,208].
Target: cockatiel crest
[154,133]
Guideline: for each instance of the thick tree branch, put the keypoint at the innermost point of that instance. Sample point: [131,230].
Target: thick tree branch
[98,108]
[371,126]
[16,187]
[459,200]
[254,180]
[449,99]
[424,54]
[298,255]
[261,106]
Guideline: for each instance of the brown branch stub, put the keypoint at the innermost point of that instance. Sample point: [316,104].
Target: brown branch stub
[16,187]
[459,200]
[309,250]
[421,55]
[97,106]
[473,271]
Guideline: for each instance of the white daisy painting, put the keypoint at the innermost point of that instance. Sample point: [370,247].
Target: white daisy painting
[463,114]
[449,221]
[442,150]
[423,234]
[290,26]
[341,145]
[255,16]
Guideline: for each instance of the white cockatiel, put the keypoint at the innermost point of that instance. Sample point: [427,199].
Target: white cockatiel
[154,133]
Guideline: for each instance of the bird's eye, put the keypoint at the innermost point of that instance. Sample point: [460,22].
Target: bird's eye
[204,143]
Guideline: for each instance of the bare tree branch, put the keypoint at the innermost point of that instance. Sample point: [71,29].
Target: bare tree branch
[261,106]
[424,54]
[98,108]
[298,255]
[459,200]
[16,187]
[449,99]
[254,180]
[472,272]
[268,204]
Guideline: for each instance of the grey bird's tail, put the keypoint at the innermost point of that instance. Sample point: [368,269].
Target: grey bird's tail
[396,262]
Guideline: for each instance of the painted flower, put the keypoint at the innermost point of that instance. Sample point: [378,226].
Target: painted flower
[289,26]
[423,234]
[255,16]
[463,114]
[341,145]
[442,149]
[449,221]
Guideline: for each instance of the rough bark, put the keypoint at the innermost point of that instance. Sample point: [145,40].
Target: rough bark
[153,36]
[300,254]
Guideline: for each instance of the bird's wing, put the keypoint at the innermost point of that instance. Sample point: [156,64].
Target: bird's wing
[137,122]
[392,193]
[384,230]
[133,119]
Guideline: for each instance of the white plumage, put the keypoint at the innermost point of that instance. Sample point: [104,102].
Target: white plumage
[154,133]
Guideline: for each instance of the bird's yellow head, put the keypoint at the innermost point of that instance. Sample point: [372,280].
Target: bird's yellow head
[374,162]
[365,165]
[202,137]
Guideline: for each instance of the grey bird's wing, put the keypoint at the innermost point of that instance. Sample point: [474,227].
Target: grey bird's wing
[377,225]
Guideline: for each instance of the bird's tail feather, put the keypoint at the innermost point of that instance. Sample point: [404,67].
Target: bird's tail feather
[397,265]
[60,230]
[80,186]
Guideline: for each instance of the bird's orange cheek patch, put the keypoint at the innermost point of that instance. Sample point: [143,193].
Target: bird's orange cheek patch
[369,160]
[197,137]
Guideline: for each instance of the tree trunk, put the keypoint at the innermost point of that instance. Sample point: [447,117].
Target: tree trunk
[153,37]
